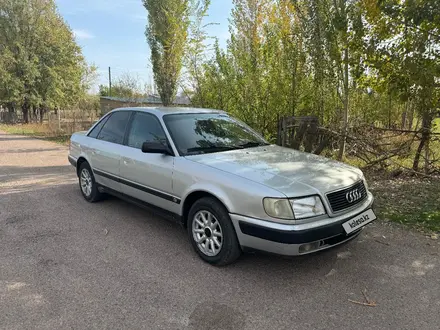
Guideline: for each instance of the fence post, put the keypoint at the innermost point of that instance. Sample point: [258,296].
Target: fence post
[284,135]
[278,130]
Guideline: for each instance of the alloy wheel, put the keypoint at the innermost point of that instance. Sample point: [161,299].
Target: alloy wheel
[207,233]
[86,182]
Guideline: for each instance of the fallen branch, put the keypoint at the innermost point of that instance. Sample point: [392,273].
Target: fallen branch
[386,157]
[378,241]
[396,130]
[373,304]
[366,297]
[368,302]
[414,171]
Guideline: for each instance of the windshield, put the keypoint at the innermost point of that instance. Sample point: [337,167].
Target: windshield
[206,133]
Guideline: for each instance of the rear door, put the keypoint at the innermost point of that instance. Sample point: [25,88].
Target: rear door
[145,176]
[106,150]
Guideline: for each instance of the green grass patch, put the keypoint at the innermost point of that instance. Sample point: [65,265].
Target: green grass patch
[61,139]
[40,131]
[424,221]
[408,201]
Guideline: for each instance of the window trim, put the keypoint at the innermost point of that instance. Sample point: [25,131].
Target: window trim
[129,126]
[105,118]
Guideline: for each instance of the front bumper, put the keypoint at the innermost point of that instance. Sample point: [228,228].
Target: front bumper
[72,160]
[290,239]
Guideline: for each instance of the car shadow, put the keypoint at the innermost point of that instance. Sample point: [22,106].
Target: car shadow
[250,262]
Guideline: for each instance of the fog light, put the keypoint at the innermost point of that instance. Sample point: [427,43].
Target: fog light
[309,247]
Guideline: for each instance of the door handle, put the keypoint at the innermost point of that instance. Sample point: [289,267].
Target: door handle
[127,161]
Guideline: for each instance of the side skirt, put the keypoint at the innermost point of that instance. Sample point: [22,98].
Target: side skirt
[147,206]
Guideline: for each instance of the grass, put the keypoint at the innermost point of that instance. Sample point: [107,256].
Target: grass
[41,131]
[408,201]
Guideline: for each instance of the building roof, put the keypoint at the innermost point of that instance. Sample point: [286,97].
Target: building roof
[151,99]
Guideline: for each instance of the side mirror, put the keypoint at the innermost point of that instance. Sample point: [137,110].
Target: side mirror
[156,148]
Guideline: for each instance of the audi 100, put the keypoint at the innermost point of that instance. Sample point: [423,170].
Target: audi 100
[231,189]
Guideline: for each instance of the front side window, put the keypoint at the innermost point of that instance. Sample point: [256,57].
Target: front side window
[114,129]
[206,133]
[145,128]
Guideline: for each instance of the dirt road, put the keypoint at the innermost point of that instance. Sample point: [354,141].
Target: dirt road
[67,264]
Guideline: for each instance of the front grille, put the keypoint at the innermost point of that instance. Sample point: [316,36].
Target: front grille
[338,200]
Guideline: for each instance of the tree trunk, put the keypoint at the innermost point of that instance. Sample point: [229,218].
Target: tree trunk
[424,141]
[389,110]
[10,106]
[404,116]
[427,155]
[42,112]
[411,117]
[345,114]
[34,113]
[165,99]
[25,110]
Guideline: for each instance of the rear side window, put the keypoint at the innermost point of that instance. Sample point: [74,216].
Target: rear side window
[114,129]
[145,128]
[95,131]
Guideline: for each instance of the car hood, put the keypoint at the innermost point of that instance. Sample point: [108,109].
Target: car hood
[291,172]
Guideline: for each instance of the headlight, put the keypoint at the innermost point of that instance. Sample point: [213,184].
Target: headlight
[307,207]
[278,208]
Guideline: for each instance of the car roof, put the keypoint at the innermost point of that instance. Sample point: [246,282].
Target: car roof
[162,111]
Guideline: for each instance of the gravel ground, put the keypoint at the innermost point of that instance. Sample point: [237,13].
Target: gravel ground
[68,264]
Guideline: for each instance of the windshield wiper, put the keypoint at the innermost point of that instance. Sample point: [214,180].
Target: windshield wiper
[252,144]
[212,149]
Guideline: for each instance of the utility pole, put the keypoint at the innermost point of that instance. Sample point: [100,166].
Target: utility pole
[109,81]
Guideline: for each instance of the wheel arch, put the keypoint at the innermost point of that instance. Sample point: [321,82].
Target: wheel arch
[81,160]
[194,196]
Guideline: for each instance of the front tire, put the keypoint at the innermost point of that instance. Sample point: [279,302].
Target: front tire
[87,184]
[212,233]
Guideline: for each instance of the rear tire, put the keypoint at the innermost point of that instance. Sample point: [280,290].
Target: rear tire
[88,185]
[212,233]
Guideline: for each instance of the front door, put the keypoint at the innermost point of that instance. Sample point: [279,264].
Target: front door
[144,176]
[106,150]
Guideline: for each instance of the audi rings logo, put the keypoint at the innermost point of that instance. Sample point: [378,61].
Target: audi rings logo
[353,196]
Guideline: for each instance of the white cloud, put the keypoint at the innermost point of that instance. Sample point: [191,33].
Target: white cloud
[82,34]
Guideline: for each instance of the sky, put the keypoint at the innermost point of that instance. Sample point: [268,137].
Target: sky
[111,33]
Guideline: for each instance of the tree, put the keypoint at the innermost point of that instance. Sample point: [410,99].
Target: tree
[195,53]
[128,87]
[352,63]
[167,31]
[41,65]
[260,75]
[403,52]
[340,56]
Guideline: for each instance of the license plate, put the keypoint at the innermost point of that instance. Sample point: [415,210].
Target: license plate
[359,221]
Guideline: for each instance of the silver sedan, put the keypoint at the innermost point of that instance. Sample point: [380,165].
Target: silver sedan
[222,181]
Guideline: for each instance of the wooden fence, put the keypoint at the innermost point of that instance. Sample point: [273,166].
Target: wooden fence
[303,133]
[63,121]
[375,146]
